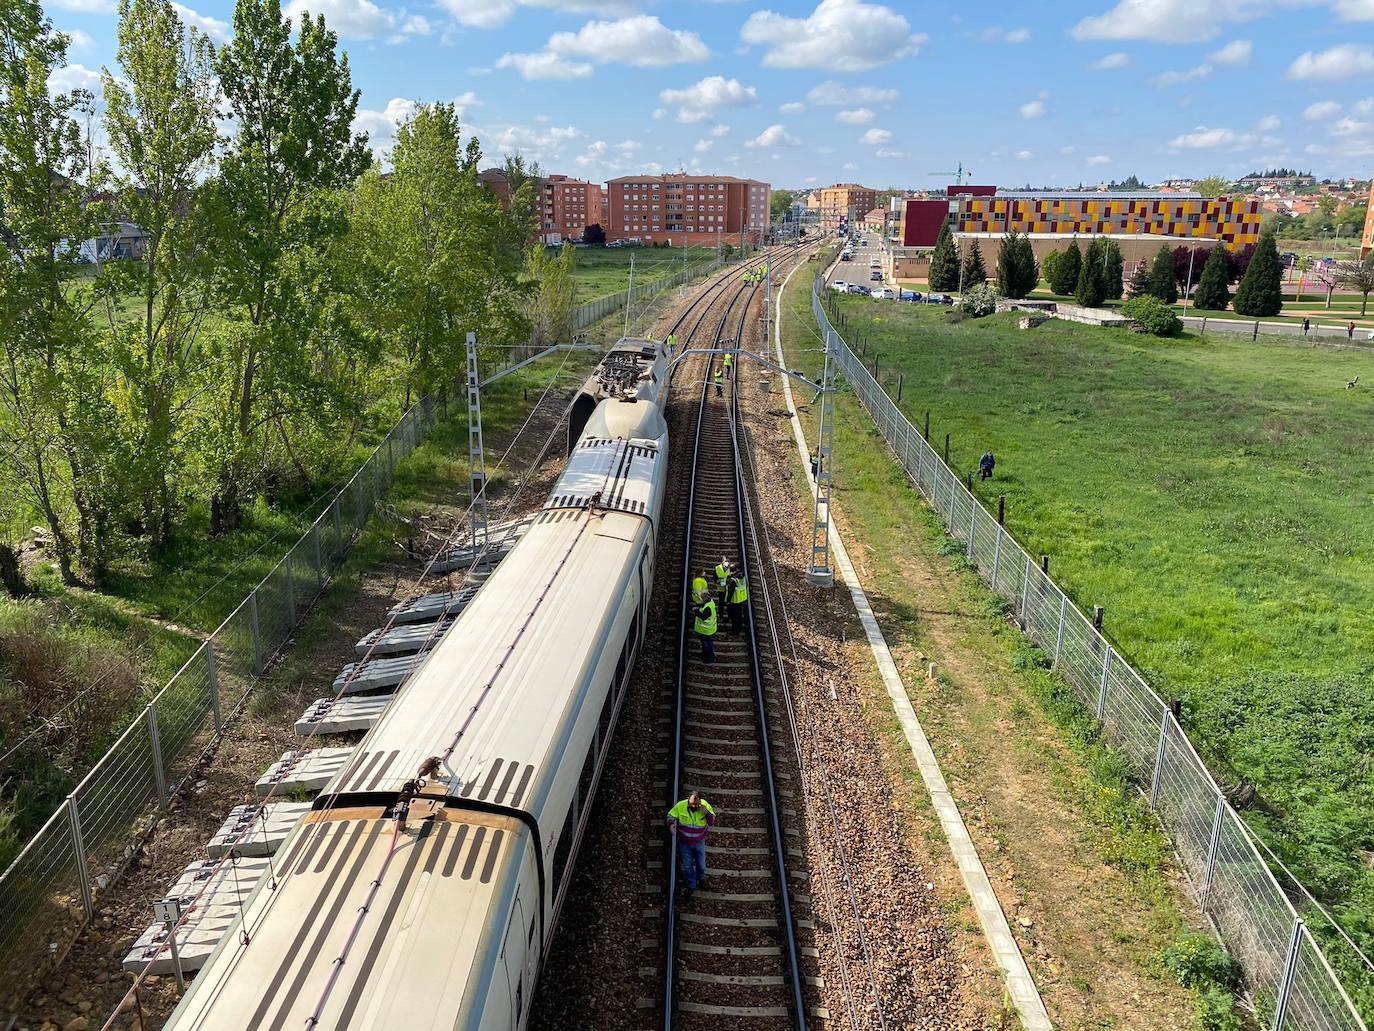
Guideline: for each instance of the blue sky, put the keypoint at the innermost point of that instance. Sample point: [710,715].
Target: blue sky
[801,92]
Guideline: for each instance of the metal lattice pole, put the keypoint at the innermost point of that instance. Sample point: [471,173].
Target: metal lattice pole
[820,573]
[477,463]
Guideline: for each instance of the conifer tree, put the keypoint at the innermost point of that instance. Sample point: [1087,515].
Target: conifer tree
[1260,293]
[1213,291]
[1007,258]
[1066,270]
[944,262]
[1113,263]
[1027,269]
[972,270]
[1163,283]
[1090,290]
[1140,280]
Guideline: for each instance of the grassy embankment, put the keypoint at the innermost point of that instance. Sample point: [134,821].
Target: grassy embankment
[1214,497]
[601,270]
[128,639]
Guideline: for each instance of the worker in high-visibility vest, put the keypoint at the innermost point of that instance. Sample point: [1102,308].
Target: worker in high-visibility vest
[729,364]
[717,376]
[699,588]
[688,823]
[672,343]
[738,595]
[704,624]
[723,570]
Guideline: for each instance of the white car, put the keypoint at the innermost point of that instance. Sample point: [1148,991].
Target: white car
[883,293]
[839,284]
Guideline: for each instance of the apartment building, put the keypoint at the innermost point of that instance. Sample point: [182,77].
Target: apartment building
[687,210]
[845,203]
[496,180]
[1367,240]
[566,207]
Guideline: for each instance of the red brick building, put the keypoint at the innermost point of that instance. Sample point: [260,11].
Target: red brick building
[567,206]
[687,210]
[495,180]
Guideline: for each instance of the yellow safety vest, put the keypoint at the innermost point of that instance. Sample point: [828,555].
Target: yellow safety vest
[706,625]
[740,594]
[722,575]
[672,341]
[729,360]
[686,818]
[699,587]
[718,373]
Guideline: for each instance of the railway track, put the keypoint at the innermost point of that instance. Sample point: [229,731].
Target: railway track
[730,954]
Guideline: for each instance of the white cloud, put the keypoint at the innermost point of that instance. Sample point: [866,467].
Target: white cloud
[381,126]
[353,19]
[544,65]
[703,146]
[85,6]
[720,130]
[538,144]
[1024,155]
[1068,149]
[794,107]
[1237,52]
[700,101]
[773,136]
[1107,62]
[1203,138]
[1321,110]
[883,152]
[1268,123]
[1345,61]
[488,14]
[1033,109]
[839,35]
[855,116]
[1021,35]
[876,137]
[1354,10]
[834,94]
[997,34]
[466,100]
[643,41]
[1099,159]
[1174,78]
[1363,107]
[1171,21]
[74,77]
[79,40]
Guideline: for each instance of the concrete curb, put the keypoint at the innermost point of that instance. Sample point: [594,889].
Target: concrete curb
[1020,985]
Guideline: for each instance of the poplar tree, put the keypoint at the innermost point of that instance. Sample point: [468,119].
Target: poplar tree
[1213,291]
[1260,293]
[944,262]
[279,212]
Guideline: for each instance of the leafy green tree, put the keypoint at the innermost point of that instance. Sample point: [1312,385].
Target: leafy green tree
[553,295]
[1162,282]
[972,271]
[1091,288]
[160,120]
[1260,293]
[1213,291]
[1213,186]
[1359,276]
[278,213]
[1017,274]
[45,344]
[1153,315]
[944,262]
[1066,270]
[781,203]
[594,235]
[1049,267]
[1113,265]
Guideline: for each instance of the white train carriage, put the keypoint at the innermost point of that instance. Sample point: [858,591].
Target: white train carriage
[409,900]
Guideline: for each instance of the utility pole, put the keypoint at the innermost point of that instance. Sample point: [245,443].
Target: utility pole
[819,573]
[477,463]
[630,295]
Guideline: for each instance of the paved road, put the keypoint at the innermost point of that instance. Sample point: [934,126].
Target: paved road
[860,268]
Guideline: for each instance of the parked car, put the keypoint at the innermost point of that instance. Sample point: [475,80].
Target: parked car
[858,288]
[616,243]
[876,275]
[839,284]
[910,295]
[939,299]
[846,256]
[883,293]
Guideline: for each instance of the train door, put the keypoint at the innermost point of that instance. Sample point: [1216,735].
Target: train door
[513,956]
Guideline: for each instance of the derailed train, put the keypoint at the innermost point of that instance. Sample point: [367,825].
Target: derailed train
[424,886]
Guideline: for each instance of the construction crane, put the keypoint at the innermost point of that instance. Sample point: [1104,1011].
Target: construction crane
[959,174]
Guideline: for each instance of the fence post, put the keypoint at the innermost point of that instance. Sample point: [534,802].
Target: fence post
[83,873]
[1102,687]
[256,630]
[159,774]
[290,588]
[212,680]
[319,560]
[1290,966]
[1159,756]
[1025,592]
[1059,634]
[899,388]
[1213,847]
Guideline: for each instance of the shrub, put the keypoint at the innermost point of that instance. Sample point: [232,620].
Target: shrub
[1153,315]
[978,300]
[1198,961]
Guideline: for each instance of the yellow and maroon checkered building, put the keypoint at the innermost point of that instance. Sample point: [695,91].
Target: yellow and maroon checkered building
[1234,222]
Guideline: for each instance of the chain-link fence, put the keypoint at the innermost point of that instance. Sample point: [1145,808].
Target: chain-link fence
[1292,983]
[49,892]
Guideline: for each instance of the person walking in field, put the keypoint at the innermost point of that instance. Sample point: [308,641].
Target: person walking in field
[704,624]
[986,464]
[1306,325]
[1350,330]
[688,823]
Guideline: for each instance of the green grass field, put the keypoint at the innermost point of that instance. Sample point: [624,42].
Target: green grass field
[600,270]
[1215,497]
